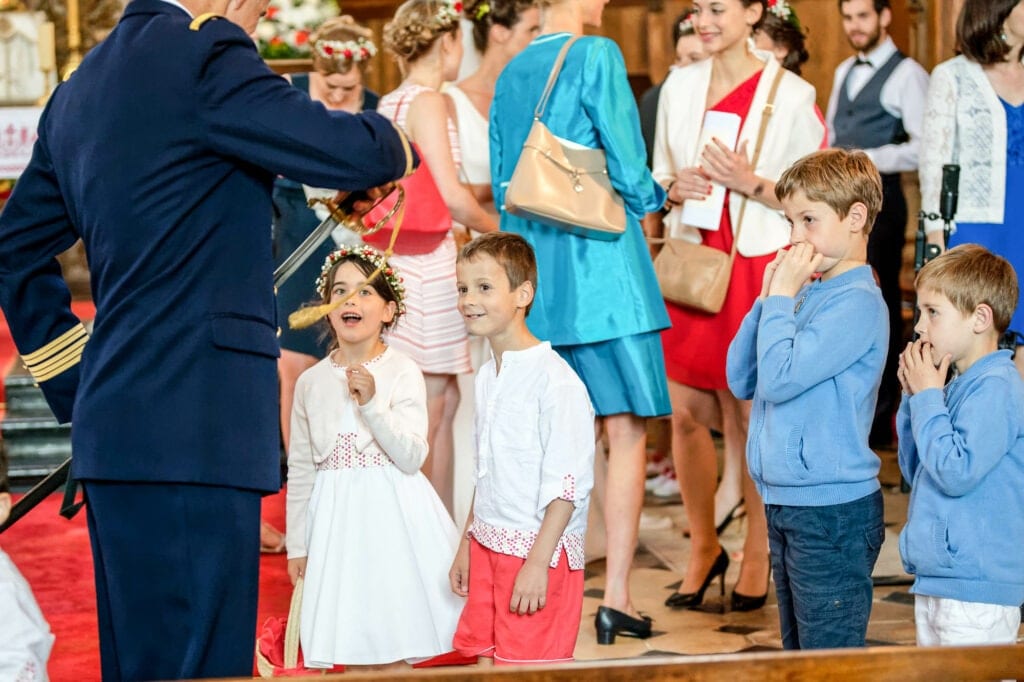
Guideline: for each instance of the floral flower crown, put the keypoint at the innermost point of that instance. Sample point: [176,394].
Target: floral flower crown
[448,13]
[371,256]
[354,51]
[686,26]
[782,10]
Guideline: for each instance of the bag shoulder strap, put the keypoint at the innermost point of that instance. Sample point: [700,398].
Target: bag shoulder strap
[552,77]
[769,109]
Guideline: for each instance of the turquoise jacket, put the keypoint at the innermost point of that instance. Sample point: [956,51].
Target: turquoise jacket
[589,290]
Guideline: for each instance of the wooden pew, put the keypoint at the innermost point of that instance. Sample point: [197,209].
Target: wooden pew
[899,664]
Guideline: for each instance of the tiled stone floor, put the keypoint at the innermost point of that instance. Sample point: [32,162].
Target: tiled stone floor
[712,629]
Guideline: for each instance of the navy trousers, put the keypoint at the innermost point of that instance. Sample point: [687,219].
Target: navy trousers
[822,558]
[177,577]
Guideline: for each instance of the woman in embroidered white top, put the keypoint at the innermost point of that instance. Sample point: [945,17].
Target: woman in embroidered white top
[366,531]
[975,118]
[737,79]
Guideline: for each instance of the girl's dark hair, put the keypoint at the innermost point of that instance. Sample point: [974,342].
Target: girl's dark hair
[786,34]
[979,28]
[379,284]
[486,13]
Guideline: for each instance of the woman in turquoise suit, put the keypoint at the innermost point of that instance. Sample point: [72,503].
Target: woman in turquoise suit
[598,302]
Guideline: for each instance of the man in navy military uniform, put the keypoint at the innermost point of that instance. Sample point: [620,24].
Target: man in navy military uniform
[159,152]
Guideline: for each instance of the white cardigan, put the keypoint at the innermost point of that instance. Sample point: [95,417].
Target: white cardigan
[794,130]
[963,107]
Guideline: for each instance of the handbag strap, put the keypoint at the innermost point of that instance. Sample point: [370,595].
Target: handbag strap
[552,77]
[769,109]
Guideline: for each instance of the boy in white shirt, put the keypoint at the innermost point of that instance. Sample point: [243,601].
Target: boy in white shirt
[25,637]
[520,562]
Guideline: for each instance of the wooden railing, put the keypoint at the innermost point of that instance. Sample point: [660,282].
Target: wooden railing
[877,664]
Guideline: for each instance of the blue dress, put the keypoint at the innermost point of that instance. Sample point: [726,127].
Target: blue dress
[598,302]
[1006,239]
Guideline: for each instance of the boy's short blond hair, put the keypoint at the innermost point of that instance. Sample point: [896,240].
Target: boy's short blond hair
[513,253]
[836,177]
[969,275]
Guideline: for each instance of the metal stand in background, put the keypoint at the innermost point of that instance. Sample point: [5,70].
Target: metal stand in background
[925,251]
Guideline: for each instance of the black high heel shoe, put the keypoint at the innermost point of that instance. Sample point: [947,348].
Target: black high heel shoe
[689,600]
[736,512]
[744,602]
[609,622]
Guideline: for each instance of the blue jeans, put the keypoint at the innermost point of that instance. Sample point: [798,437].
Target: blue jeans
[822,558]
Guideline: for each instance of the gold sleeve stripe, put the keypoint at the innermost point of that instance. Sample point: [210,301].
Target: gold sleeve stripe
[53,347]
[68,363]
[198,22]
[73,349]
[407,148]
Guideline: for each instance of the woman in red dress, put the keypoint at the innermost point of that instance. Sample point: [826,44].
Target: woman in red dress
[737,79]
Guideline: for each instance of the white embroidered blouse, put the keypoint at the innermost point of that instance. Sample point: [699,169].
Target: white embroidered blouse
[964,123]
[535,444]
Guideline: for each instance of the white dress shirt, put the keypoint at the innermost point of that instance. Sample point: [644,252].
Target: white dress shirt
[903,96]
[535,444]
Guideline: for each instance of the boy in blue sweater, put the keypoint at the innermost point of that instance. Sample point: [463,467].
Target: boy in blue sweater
[961,445]
[810,354]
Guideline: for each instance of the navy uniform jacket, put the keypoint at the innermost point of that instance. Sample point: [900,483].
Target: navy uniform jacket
[160,152]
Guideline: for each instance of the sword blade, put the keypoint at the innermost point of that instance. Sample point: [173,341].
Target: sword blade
[299,256]
[37,494]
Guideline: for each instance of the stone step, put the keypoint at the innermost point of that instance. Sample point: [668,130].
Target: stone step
[35,446]
[24,399]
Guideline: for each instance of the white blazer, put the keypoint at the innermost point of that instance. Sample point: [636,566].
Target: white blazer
[794,130]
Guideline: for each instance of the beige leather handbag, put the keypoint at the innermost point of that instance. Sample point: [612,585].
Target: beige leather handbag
[563,186]
[695,275]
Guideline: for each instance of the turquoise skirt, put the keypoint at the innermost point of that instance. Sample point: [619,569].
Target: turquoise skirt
[624,375]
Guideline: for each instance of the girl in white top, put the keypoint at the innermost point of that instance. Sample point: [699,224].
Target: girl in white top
[366,530]
[501,29]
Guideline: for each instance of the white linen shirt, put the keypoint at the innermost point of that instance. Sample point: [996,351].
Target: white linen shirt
[903,96]
[535,444]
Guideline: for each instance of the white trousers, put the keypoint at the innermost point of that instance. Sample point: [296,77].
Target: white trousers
[950,622]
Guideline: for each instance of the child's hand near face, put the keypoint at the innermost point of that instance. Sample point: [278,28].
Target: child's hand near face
[769,273]
[794,270]
[360,384]
[530,589]
[919,370]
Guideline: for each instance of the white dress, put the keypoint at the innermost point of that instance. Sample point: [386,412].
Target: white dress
[378,540]
[431,331]
[25,637]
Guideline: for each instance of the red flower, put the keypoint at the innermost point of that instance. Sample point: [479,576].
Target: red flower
[301,37]
[271,11]
[347,54]
[458,7]
[364,53]
[329,50]
[276,40]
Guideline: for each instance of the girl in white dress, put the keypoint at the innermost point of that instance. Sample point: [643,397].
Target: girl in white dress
[366,530]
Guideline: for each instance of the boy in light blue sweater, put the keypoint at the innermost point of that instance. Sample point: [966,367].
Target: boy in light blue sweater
[810,354]
[961,445]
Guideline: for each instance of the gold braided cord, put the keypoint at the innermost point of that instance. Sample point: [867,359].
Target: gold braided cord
[310,315]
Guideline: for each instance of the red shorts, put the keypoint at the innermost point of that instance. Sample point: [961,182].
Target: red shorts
[488,628]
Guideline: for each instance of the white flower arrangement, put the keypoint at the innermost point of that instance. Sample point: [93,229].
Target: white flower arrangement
[283,33]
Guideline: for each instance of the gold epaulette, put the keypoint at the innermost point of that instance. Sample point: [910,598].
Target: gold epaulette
[198,22]
[59,355]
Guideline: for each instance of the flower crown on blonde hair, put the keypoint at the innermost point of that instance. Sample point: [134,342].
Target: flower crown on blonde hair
[373,257]
[448,13]
[355,51]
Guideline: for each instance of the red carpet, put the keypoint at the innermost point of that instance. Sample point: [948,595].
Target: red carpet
[53,554]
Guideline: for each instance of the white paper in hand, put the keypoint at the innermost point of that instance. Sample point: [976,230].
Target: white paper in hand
[706,213]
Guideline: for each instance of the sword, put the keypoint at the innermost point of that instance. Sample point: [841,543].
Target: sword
[60,476]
